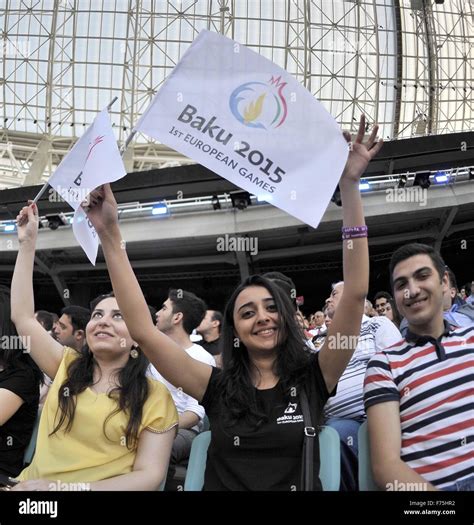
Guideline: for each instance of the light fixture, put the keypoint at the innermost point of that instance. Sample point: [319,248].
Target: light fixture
[9,227]
[364,185]
[215,202]
[441,177]
[56,220]
[402,181]
[240,199]
[264,198]
[160,209]
[422,179]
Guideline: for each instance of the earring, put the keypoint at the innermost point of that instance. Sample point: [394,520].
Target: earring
[134,352]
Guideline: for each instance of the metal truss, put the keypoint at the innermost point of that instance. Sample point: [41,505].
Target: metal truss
[406,64]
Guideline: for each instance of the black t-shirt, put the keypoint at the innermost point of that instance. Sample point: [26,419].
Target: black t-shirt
[270,457]
[213,347]
[15,434]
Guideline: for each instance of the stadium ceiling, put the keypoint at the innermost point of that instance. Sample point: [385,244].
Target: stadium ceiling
[406,64]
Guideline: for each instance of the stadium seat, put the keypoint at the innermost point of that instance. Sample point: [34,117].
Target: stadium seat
[30,449]
[330,458]
[205,424]
[197,462]
[366,479]
[330,454]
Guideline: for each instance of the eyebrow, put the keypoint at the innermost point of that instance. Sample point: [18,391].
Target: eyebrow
[415,273]
[250,303]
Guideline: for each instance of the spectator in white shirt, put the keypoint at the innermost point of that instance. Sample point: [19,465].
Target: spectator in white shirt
[345,411]
[179,315]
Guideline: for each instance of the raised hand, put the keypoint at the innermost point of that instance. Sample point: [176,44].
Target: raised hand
[360,154]
[102,208]
[27,223]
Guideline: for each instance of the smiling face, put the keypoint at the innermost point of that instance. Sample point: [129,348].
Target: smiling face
[380,305]
[418,291]
[106,331]
[256,320]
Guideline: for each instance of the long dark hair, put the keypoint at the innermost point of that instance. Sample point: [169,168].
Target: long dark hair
[13,353]
[130,395]
[291,364]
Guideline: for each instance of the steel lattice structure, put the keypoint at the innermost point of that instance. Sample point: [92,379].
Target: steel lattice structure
[406,64]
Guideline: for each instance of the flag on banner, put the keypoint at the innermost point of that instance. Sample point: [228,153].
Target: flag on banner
[94,160]
[249,121]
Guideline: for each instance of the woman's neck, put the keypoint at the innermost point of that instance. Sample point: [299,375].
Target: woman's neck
[262,372]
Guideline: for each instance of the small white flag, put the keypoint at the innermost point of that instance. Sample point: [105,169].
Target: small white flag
[94,160]
[249,121]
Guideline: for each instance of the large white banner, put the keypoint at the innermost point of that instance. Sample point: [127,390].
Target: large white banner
[249,121]
[94,160]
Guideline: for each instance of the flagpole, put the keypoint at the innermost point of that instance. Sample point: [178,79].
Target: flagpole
[46,184]
[127,142]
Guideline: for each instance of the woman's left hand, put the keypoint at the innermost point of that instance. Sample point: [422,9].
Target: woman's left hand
[36,485]
[360,154]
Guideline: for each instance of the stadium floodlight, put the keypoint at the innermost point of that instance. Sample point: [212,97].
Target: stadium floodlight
[240,199]
[402,181]
[56,220]
[422,179]
[441,177]
[160,209]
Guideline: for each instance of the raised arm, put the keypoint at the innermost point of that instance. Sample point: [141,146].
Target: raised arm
[341,340]
[173,363]
[42,347]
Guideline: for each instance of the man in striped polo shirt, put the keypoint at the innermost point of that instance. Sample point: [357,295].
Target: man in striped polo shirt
[419,393]
[345,411]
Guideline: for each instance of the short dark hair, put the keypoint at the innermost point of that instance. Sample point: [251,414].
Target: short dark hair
[285,283]
[190,305]
[415,248]
[217,316]
[79,316]
[383,295]
[452,278]
[45,318]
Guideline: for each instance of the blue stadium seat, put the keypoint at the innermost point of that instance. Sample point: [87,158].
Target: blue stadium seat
[197,462]
[330,458]
[330,454]
[366,479]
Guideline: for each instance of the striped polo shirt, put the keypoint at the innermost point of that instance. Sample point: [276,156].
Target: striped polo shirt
[433,380]
[376,333]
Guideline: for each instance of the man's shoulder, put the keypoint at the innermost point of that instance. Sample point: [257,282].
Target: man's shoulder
[200,354]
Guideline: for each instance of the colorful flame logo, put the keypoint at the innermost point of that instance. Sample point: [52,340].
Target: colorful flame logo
[259,104]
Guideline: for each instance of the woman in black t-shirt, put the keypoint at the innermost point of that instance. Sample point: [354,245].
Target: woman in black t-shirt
[253,402]
[20,379]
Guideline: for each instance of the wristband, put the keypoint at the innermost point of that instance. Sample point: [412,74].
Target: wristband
[354,232]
